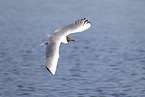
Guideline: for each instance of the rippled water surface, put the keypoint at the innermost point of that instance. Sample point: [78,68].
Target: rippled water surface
[108,60]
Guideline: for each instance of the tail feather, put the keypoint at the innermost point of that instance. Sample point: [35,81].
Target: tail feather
[45,39]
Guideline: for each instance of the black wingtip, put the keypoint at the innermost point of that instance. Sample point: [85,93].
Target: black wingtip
[49,70]
[89,22]
[86,21]
[83,19]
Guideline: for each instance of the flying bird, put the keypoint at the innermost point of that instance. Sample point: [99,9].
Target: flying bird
[60,36]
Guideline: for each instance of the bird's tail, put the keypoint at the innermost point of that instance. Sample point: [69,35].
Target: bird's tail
[45,39]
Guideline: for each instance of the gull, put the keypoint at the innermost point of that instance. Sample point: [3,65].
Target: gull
[60,36]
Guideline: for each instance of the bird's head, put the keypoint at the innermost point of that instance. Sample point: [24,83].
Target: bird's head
[66,40]
[69,39]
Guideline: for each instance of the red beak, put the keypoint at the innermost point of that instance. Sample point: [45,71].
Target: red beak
[73,40]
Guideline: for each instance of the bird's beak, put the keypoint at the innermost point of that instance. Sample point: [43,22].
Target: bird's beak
[72,40]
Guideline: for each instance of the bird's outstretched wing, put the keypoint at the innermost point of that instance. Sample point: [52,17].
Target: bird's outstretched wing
[52,49]
[52,54]
[78,26]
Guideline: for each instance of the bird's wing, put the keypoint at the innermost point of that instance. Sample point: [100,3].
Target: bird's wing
[52,54]
[78,26]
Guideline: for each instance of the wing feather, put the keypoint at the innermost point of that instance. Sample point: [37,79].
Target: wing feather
[78,26]
[52,54]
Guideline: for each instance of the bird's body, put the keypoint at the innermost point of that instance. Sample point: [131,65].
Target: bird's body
[60,37]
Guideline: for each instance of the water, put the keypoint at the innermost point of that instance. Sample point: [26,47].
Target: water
[108,60]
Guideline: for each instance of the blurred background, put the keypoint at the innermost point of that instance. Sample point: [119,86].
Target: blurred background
[107,60]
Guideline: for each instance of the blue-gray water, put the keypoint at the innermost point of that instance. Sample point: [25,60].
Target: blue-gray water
[108,60]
